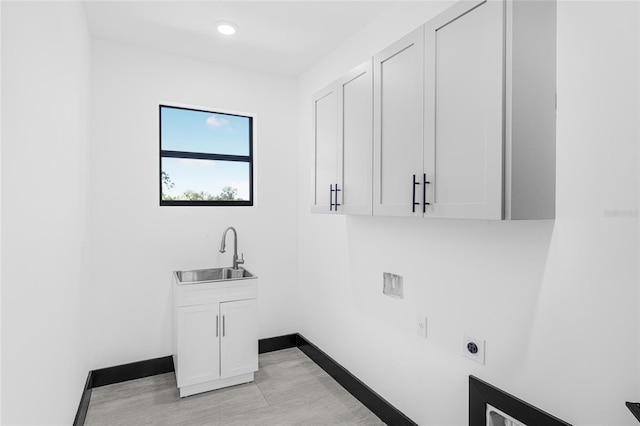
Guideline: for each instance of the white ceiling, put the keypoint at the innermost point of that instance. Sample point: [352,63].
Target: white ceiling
[284,37]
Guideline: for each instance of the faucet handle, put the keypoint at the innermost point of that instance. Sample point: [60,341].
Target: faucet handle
[241,260]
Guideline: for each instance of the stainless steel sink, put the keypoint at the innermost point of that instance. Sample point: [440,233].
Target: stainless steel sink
[213,274]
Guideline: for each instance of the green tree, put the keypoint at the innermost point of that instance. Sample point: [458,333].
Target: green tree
[167,184]
[228,193]
[166,181]
[197,196]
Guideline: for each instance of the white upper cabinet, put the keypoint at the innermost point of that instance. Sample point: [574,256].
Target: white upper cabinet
[490,87]
[530,110]
[325,144]
[355,126]
[463,120]
[342,118]
[464,135]
[398,127]
[487,132]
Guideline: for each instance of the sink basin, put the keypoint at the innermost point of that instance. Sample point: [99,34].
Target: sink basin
[213,274]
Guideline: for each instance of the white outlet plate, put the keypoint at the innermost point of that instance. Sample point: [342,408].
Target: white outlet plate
[468,345]
[421,325]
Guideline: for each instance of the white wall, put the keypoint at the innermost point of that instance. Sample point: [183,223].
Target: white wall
[45,82]
[556,301]
[135,243]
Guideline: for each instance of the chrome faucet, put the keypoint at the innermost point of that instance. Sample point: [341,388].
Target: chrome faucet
[236,261]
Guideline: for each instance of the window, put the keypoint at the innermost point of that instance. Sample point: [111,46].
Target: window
[206,158]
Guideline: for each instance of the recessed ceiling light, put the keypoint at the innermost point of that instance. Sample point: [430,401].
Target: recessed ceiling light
[226,28]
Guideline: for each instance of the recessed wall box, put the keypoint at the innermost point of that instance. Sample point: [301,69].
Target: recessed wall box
[393,285]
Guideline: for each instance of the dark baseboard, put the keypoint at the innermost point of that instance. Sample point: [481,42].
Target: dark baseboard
[132,371]
[367,396]
[277,343]
[151,367]
[81,414]
[137,370]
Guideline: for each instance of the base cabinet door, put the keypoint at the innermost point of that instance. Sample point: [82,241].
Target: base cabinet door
[239,340]
[198,344]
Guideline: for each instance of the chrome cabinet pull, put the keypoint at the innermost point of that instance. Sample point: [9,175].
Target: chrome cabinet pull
[336,203]
[217,326]
[223,327]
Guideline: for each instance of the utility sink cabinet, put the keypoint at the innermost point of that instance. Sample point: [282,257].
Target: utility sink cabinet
[216,333]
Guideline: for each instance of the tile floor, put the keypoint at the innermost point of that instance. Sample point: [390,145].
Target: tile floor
[289,389]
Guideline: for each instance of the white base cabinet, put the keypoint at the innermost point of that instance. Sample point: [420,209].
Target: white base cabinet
[216,334]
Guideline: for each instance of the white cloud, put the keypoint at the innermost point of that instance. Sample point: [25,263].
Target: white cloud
[216,121]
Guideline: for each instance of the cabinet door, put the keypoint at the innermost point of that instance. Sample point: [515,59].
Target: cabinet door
[464,111]
[198,344]
[325,148]
[239,342]
[355,148]
[398,134]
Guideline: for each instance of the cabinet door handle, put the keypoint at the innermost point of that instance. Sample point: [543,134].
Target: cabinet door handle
[330,197]
[223,327]
[424,193]
[217,325]
[336,203]
[414,183]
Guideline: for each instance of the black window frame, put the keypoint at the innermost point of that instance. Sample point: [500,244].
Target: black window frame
[205,156]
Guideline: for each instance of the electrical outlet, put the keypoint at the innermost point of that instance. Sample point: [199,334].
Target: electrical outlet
[473,348]
[421,325]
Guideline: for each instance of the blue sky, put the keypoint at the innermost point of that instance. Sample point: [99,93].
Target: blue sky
[195,131]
